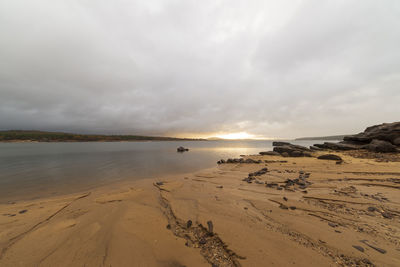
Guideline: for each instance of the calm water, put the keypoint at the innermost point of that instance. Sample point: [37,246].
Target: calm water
[29,170]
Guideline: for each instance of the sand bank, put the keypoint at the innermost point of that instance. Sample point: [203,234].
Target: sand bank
[302,212]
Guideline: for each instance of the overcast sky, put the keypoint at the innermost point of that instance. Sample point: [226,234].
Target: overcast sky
[199,68]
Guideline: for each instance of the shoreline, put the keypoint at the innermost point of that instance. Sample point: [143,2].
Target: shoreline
[143,223]
[99,141]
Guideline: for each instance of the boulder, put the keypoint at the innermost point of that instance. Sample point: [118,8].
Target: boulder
[389,132]
[380,146]
[182,149]
[330,157]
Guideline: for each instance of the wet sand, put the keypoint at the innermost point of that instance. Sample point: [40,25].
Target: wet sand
[326,214]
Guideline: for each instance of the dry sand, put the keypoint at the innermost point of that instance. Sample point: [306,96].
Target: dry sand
[343,214]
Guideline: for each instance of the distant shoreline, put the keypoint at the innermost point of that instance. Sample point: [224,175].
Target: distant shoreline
[19,136]
[95,141]
[323,138]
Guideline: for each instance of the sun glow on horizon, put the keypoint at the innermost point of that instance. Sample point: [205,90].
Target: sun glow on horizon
[240,135]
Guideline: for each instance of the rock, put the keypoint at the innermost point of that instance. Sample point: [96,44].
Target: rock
[389,132]
[285,154]
[277,143]
[258,173]
[168,226]
[315,148]
[22,211]
[271,185]
[269,153]
[284,207]
[286,149]
[371,209]
[330,157]
[248,179]
[337,146]
[182,149]
[387,215]
[382,138]
[396,141]
[188,223]
[358,248]
[292,207]
[159,183]
[331,224]
[220,186]
[296,153]
[380,146]
[252,161]
[285,198]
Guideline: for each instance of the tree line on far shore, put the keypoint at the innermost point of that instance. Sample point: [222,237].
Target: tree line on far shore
[42,136]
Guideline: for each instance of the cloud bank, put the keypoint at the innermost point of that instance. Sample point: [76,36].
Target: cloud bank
[268,68]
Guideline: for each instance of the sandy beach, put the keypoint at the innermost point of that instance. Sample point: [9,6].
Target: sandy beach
[332,215]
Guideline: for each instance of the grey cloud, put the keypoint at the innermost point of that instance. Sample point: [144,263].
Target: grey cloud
[286,69]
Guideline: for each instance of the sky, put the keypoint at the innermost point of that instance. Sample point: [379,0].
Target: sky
[228,68]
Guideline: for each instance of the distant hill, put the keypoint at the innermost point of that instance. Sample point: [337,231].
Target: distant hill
[42,136]
[327,138]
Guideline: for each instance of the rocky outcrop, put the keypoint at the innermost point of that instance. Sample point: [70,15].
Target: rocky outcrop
[389,132]
[289,150]
[337,146]
[382,138]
